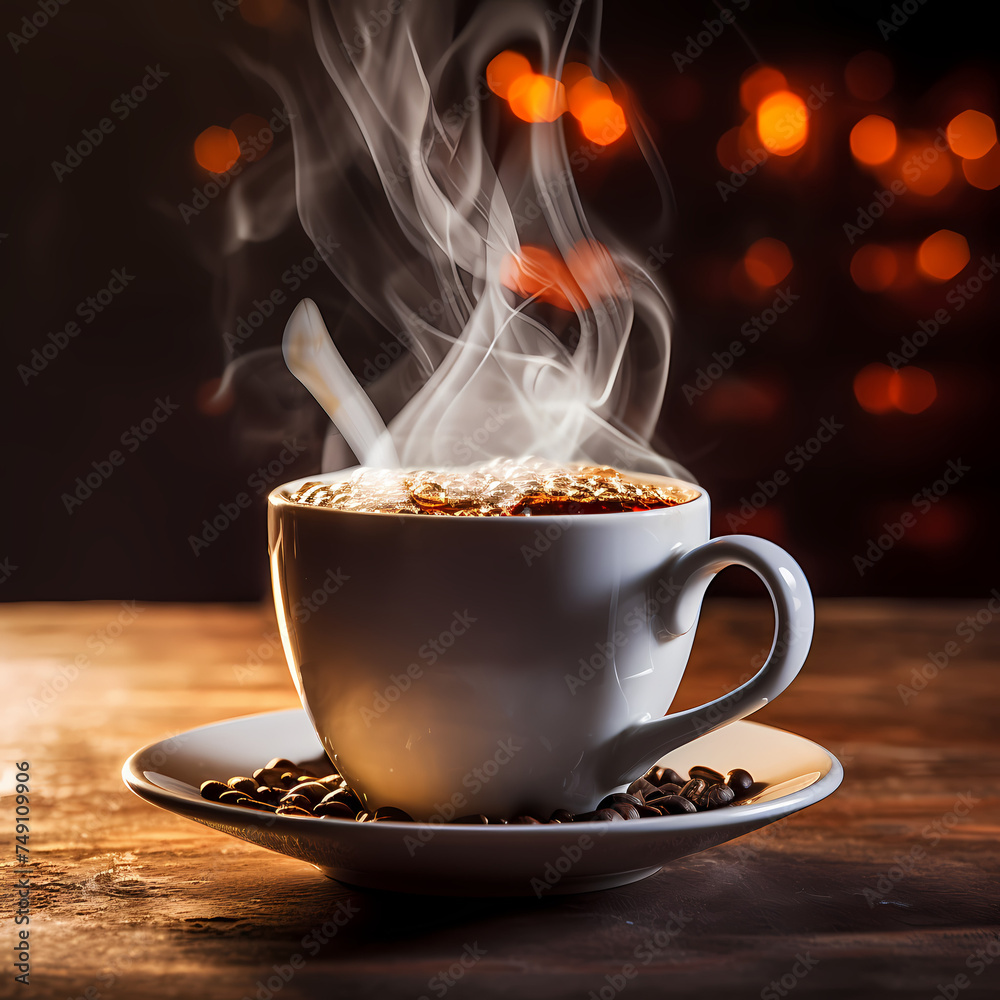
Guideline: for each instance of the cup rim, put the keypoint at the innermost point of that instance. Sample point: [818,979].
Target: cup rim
[277,498]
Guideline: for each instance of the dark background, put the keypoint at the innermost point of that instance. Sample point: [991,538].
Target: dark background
[161,338]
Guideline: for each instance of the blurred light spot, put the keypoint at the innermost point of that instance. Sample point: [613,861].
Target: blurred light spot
[742,400]
[759,82]
[971,134]
[503,70]
[537,98]
[921,166]
[603,122]
[943,254]
[767,262]
[869,76]
[585,91]
[210,401]
[873,139]
[262,13]
[782,123]
[874,267]
[871,387]
[942,526]
[254,136]
[216,149]
[984,172]
[912,390]
[536,271]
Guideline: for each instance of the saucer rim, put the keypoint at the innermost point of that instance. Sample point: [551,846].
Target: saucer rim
[135,779]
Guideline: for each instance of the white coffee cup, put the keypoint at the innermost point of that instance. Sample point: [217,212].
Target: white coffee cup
[510,665]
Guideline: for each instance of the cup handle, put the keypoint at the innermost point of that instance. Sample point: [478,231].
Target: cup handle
[688,577]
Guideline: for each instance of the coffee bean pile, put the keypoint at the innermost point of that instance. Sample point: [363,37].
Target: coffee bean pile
[287,789]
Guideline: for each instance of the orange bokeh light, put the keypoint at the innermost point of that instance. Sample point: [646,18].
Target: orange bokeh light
[783,123]
[584,92]
[872,387]
[262,13]
[767,262]
[869,76]
[984,172]
[943,254]
[603,122]
[759,82]
[921,165]
[216,149]
[537,98]
[538,272]
[873,140]
[971,134]
[504,69]
[874,267]
[912,390]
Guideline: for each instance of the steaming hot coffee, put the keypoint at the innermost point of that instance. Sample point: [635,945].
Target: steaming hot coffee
[500,488]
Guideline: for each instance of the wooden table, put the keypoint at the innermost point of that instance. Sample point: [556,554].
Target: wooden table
[859,895]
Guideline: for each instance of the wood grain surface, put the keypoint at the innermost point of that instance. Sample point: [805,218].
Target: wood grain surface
[881,890]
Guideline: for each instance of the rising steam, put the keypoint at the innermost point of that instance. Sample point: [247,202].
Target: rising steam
[396,159]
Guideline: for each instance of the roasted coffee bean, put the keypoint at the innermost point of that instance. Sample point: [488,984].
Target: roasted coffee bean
[363,817]
[717,795]
[706,773]
[525,821]
[267,794]
[288,779]
[585,817]
[740,782]
[272,777]
[608,816]
[660,776]
[641,787]
[331,781]
[676,804]
[230,796]
[694,790]
[561,816]
[478,820]
[667,789]
[346,796]
[312,790]
[302,801]
[648,812]
[291,811]
[609,801]
[213,790]
[334,810]
[626,810]
[279,763]
[390,814]
[240,784]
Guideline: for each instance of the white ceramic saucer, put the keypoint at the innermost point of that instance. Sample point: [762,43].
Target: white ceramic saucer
[478,860]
